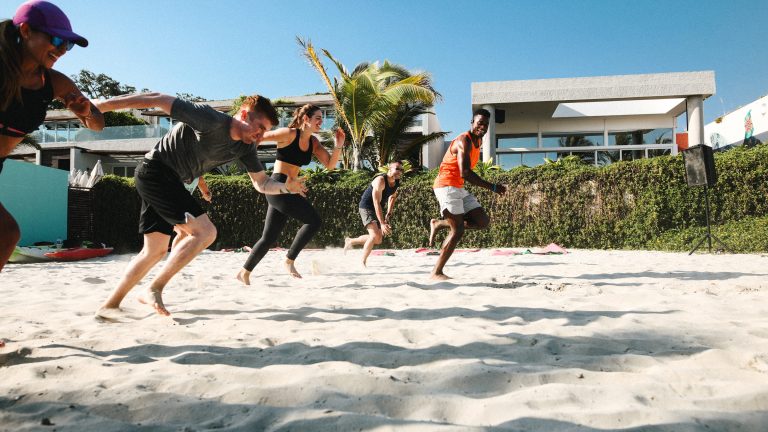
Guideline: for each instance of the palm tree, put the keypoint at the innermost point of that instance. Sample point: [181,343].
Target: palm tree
[369,98]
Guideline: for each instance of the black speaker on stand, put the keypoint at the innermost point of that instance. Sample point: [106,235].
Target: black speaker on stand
[700,171]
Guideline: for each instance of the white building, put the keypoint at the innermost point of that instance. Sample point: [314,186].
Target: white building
[749,123]
[601,119]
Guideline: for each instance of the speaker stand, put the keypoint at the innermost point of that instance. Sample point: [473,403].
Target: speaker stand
[708,236]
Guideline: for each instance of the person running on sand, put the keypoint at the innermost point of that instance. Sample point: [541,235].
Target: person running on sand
[383,188]
[30,44]
[203,139]
[296,144]
[459,208]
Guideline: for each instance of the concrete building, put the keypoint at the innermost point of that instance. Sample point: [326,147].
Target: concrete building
[601,119]
[748,124]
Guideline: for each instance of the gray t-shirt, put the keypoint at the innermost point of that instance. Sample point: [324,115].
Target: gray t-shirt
[201,142]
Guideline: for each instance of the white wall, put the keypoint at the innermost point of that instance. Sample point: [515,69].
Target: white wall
[432,152]
[730,130]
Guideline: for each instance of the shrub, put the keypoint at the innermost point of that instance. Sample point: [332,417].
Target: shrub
[634,204]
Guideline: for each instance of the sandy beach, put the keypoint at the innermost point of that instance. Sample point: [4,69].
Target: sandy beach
[587,341]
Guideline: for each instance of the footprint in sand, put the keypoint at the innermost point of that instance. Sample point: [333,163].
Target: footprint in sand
[94,280]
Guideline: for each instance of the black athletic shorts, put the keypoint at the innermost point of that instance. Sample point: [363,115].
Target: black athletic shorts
[164,199]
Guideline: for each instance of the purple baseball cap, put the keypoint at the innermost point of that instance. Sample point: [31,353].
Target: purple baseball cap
[47,17]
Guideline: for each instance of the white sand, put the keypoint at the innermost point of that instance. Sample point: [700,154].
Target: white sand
[592,340]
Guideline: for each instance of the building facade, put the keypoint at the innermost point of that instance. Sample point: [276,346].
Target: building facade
[600,119]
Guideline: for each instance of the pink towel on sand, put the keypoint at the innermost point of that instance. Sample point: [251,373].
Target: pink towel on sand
[428,250]
[550,249]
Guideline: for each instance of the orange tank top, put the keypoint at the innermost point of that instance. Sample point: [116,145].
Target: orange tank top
[449,174]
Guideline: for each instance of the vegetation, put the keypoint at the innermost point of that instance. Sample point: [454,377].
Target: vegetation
[642,204]
[376,104]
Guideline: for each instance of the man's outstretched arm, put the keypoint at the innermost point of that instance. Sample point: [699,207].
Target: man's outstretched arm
[137,101]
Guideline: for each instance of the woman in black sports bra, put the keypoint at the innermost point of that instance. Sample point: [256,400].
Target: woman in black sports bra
[296,144]
[30,44]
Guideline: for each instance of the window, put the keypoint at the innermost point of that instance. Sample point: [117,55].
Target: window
[563,139]
[530,159]
[124,171]
[516,141]
[645,136]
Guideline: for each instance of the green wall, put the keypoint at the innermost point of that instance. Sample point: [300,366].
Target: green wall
[36,196]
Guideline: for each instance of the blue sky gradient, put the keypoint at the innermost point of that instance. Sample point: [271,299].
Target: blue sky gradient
[221,49]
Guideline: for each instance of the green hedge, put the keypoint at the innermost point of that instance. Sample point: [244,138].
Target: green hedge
[635,204]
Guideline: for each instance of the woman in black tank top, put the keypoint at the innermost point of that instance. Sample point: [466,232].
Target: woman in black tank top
[30,44]
[296,144]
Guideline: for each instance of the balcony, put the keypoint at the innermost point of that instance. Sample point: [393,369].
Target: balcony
[81,135]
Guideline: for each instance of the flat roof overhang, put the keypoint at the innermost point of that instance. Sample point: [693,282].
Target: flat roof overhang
[603,88]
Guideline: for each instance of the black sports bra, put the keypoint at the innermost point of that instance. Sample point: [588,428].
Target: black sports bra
[293,154]
[24,117]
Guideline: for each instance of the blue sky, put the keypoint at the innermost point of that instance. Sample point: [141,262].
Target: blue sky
[221,49]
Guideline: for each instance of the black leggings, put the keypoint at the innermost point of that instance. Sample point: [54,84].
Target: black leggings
[281,207]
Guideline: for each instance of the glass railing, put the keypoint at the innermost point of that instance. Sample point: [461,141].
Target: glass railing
[45,136]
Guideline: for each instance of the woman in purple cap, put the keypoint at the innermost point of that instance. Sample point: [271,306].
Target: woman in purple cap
[30,44]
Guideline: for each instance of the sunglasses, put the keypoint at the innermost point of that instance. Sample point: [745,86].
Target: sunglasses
[57,41]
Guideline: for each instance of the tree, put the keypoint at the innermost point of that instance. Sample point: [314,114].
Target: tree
[370,98]
[189,97]
[97,86]
[390,131]
[100,86]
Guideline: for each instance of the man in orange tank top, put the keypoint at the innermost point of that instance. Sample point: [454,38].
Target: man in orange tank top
[459,208]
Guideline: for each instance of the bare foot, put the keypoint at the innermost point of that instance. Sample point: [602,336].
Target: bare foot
[244,276]
[109,313]
[291,269]
[432,230]
[439,276]
[154,299]
[347,244]
[2,343]
[364,264]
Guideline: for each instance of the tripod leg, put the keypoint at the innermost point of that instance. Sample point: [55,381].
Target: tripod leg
[720,242]
[698,244]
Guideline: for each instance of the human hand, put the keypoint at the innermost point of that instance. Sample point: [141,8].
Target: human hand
[207,196]
[78,104]
[296,185]
[386,229]
[340,137]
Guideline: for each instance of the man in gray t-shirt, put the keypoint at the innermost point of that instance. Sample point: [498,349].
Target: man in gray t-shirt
[203,139]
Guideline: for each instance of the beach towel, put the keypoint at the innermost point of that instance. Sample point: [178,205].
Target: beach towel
[383,252]
[550,249]
[428,251]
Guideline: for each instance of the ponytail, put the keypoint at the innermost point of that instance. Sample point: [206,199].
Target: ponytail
[10,64]
[298,115]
